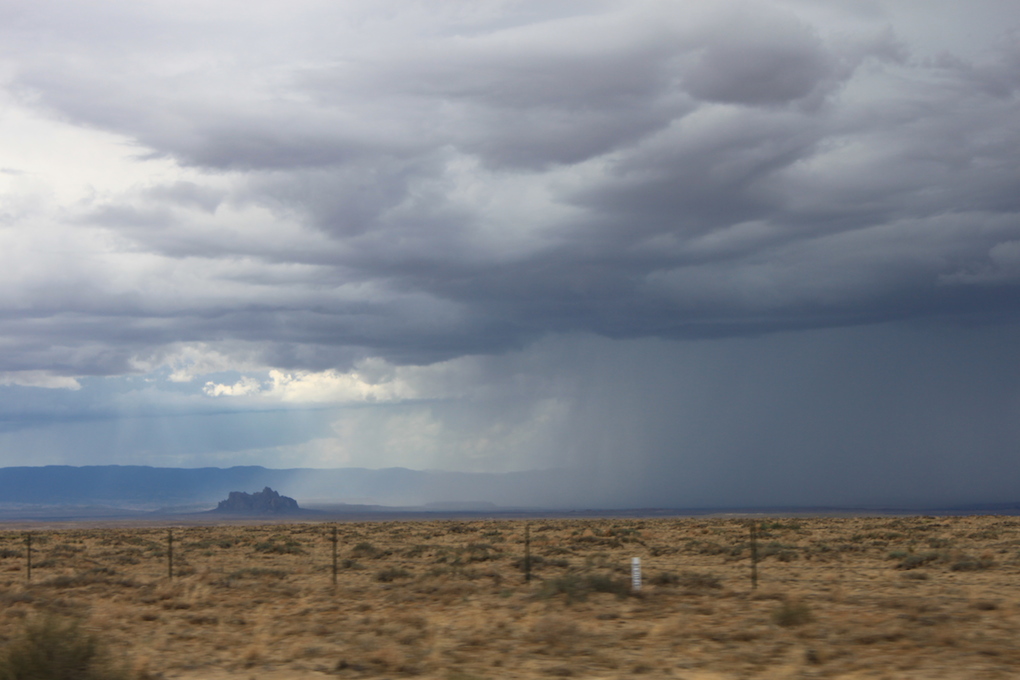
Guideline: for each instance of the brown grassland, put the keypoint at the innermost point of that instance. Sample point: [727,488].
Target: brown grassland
[860,597]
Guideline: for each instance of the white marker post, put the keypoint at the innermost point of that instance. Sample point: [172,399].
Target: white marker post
[635,574]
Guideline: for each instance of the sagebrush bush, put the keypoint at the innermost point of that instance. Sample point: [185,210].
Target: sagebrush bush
[365,549]
[391,574]
[693,580]
[919,560]
[968,563]
[792,613]
[49,648]
[578,586]
[280,545]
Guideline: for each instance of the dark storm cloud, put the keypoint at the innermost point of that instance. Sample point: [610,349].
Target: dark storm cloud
[466,181]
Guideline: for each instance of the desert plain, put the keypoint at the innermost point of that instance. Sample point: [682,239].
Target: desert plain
[836,597]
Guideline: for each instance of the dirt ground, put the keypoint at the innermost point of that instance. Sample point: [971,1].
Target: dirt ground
[879,597]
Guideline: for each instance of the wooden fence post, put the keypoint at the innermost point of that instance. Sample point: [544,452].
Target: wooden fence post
[28,553]
[170,553]
[754,555]
[527,553]
[334,556]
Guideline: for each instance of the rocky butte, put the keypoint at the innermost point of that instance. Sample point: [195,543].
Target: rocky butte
[265,502]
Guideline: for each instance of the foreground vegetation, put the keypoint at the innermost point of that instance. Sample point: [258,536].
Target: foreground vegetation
[918,597]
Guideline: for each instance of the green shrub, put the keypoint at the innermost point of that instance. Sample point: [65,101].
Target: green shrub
[578,586]
[538,560]
[280,546]
[917,560]
[417,550]
[391,574]
[967,563]
[792,613]
[664,578]
[365,549]
[693,580]
[54,649]
[257,572]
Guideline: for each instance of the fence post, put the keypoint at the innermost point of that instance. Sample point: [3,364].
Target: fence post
[527,553]
[170,553]
[28,553]
[334,556]
[754,555]
[635,574]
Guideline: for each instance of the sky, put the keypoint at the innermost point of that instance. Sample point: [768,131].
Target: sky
[703,253]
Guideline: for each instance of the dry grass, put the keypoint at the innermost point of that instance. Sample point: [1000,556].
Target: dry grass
[915,597]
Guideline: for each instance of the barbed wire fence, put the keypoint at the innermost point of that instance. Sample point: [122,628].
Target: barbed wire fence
[746,555]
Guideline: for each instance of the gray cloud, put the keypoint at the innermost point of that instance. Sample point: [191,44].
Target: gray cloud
[632,171]
[310,187]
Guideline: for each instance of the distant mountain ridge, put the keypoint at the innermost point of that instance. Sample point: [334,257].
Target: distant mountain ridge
[152,487]
[63,491]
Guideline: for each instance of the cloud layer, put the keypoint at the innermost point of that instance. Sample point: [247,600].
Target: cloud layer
[327,204]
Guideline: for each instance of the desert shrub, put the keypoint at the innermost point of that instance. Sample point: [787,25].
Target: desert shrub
[257,572]
[538,560]
[781,551]
[664,578]
[95,576]
[123,556]
[417,550]
[14,596]
[279,546]
[448,556]
[554,631]
[7,552]
[55,649]
[707,548]
[693,580]
[205,544]
[916,576]
[917,560]
[967,563]
[604,583]
[611,542]
[577,587]
[365,549]
[792,613]
[65,550]
[391,574]
[625,534]
[481,552]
